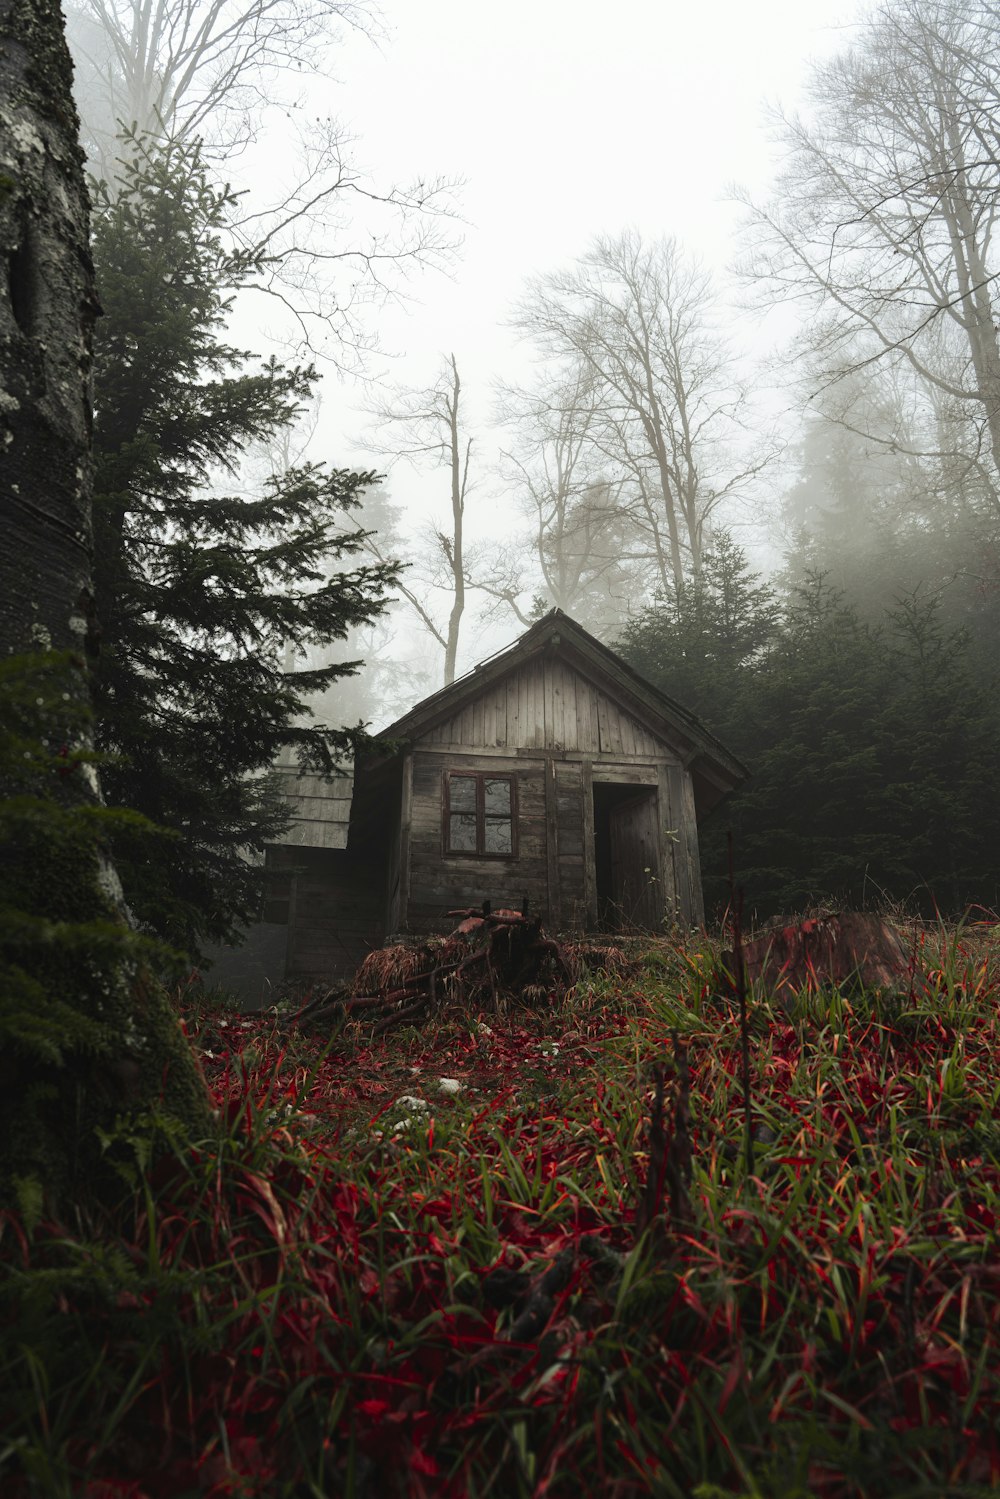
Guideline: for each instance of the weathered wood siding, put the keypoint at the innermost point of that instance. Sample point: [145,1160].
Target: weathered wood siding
[574,908]
[337,911]
[438,882]
[547,706]
[557,733]
[320,809]
[397,868]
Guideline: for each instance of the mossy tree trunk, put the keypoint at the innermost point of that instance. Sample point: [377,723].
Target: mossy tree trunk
[85,1036]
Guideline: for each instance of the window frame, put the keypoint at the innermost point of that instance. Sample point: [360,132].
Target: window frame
[480,777]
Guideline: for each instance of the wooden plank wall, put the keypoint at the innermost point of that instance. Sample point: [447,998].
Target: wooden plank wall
[677,836]
[320,809]
[688,822]
[398,835]
[438,883]
[557,732]
[545,705]
[337,912]
[574,856]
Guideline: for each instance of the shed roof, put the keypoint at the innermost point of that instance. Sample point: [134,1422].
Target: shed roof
[714,768]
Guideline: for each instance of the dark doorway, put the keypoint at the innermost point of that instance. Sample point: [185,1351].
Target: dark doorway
[626,859]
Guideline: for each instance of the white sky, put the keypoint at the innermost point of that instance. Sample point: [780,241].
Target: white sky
[569,118]
[566,118]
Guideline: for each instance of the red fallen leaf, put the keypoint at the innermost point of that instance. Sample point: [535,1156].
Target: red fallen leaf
[518,1227]
[373,1408]
[422,1462]
[979,1214]
[950,1364]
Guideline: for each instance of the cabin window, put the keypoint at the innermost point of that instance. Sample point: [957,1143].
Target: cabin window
[479,815]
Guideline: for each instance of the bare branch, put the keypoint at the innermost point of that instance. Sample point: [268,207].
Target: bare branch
[334,245]
[186,68]
[887,204]
[428,426]
[666,407]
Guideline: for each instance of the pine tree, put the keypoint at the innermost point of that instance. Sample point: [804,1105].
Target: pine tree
[200,591]
[938,735]
[870,742]
[85,1037]
[698,644]
[810,821]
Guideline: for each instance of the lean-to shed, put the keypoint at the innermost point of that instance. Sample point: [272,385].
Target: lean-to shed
[553,772]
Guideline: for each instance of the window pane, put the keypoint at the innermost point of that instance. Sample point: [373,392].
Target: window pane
[462,832]
[497,798]
[462,793]
[498,836]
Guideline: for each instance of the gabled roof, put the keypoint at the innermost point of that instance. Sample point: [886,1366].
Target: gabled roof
[711,763]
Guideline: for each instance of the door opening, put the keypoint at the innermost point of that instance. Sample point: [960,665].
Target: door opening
[626,857]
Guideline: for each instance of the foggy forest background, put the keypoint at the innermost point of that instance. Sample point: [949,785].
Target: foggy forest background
[804,550]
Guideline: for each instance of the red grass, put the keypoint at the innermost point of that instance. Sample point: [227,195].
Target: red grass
[342,1305]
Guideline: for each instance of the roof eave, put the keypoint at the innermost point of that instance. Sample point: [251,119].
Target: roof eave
[557,630]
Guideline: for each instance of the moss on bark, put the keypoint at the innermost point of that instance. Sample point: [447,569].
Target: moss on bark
[86,1034]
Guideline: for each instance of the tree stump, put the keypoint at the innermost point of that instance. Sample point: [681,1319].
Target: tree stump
[849,947]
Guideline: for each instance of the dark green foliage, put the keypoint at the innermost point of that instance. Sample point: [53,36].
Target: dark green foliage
[871,746]
[938,736]
[810,822]
[48,912]
[695,646]
[201,591]
[79,1032]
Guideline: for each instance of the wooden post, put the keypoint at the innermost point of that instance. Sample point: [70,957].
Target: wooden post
[589,850]
[668,817]
[551,843]
[689,825]
[686,901]
[405,817]
[293,901]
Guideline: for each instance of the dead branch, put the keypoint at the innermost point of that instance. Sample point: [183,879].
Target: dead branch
[488,954]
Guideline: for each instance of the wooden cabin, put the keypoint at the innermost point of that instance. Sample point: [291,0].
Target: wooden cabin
[553,773]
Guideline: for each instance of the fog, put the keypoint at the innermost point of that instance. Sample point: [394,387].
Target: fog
[472,215]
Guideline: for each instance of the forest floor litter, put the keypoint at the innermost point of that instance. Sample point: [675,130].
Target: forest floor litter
[515,1250]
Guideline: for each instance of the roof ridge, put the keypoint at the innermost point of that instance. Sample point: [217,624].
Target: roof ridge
[660,704]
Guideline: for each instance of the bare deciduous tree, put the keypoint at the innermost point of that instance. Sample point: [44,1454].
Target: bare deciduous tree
[385,684]
[333,243]
[427,426]
[185,68]
[669,409]
[885,211]
[579,538]
[335,246]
